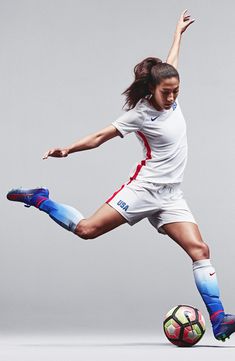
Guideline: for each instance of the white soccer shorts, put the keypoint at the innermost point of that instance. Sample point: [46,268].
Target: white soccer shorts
[160,203]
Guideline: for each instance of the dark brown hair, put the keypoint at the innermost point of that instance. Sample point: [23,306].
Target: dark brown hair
[148,73]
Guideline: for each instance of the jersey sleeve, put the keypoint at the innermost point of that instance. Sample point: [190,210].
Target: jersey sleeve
[131,121]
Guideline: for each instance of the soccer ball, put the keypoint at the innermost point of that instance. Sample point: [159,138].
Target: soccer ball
[184,325]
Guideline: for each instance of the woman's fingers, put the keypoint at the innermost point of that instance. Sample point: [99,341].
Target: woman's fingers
[185,17]
[45,155]
[56,152]
[184,21]
[183,14]
[189,23]
[51,153]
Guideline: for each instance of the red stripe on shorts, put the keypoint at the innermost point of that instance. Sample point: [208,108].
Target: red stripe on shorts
[114,194]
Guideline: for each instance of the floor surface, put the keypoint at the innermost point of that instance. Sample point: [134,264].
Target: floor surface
[109,347]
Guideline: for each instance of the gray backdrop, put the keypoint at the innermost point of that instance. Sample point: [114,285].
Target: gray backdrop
[63,66]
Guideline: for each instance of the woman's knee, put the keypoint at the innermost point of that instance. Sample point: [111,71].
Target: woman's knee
[85,231]
[200,251]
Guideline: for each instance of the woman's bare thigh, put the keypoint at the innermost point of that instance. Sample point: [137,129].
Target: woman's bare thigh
[102,221]
[188,236]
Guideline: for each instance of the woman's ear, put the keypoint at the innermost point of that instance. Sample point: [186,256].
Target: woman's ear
[151,89]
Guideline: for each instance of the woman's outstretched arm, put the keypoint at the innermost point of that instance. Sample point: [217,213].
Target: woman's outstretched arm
[88,142]
[184,22]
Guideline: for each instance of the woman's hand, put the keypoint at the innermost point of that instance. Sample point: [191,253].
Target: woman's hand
[182,25]
[56,152]
[184,22]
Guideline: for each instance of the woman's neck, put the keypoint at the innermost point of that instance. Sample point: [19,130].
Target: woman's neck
[154,104]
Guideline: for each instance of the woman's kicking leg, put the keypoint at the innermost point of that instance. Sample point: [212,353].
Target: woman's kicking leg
[104,220]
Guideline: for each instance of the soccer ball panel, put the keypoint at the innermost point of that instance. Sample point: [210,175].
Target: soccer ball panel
[184,313]
[201,320]
[172,329]
[192,334]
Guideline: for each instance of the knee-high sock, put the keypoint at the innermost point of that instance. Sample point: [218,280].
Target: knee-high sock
[207,285]
[66,216]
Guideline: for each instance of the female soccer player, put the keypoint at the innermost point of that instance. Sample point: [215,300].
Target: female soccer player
[153,189]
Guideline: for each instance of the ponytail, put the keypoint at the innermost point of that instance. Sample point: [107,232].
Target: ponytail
[148,73]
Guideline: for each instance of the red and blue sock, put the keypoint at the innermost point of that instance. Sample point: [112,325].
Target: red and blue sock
[207,285]
[66,216]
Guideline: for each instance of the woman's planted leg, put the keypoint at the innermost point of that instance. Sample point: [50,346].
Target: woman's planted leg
[188,236]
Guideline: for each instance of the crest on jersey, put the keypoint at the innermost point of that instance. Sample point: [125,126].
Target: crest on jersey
[174,106]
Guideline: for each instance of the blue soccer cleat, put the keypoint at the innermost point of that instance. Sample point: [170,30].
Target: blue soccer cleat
[225,328]
[31,197]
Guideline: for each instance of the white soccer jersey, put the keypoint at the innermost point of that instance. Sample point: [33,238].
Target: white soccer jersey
[162,135]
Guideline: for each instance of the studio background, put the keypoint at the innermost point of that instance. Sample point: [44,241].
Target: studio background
[63,67]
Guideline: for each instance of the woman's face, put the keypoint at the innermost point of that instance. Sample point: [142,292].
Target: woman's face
[165,93]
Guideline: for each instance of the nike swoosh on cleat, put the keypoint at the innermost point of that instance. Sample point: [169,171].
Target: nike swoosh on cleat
[228,323]
[21,194]
[211,274]
[14,196]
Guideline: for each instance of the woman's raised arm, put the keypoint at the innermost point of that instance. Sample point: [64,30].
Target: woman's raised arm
[184,22]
